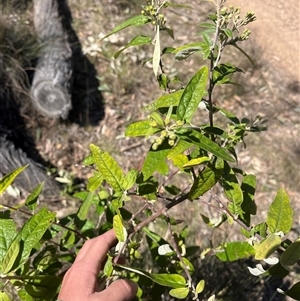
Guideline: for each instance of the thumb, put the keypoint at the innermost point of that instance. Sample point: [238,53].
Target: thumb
[120,290]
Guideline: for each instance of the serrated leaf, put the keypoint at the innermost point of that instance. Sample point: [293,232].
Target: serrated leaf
[156,53]
[291,255]
[109,168]
[293,292]
[197,138]
[155,160]
[164,101]
[267,247]
[180,293]
[119,229]
[192,95]
[85,206]
[200,286]
[137,41]
[204,181]
[140,128]
[9,178]
[232,251]
[31,201]
[280,215]
[95,181]
[196,161]
[138,20]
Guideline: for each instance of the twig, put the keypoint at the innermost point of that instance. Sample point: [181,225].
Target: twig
[175,246]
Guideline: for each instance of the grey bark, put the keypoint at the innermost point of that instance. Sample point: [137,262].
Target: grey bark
[52,82]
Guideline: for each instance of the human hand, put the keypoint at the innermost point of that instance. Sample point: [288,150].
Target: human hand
[80,281]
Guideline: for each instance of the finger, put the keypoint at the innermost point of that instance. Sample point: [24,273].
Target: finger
[96,246]
[120,290]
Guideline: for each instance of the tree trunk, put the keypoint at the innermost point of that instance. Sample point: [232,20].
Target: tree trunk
[51,85]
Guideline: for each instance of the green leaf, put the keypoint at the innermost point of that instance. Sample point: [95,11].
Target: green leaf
[31,201]
[156,53]
[221,72]
[280,215]
[291,255]
[248,206]
[7,232]
[4,296]
[130,179]
[119,228]
[148,188]
[24,296]
[140,128]
[95,181]
[111,171]
[192,95]
[108,267]
[137,41]
[43,287]
[232,251]
[31,233]
[179,148]
[267,247]
[9,178]
[228,32]
[155,160]
[184,51]
[172,280]
[205,181]
[180,293]
[233,192]
[196,161]
[200,286]
[10,257]
[293,292]
[165,101]
[89,160]
[180,160]
[197,138]
[188,265]
[85,206]
[138,20]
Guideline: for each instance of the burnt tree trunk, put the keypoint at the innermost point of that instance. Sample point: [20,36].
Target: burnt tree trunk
[51,85]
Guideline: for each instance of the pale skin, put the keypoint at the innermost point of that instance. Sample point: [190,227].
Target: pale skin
[80,281]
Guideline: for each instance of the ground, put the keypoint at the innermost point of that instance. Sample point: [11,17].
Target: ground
[271,89]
